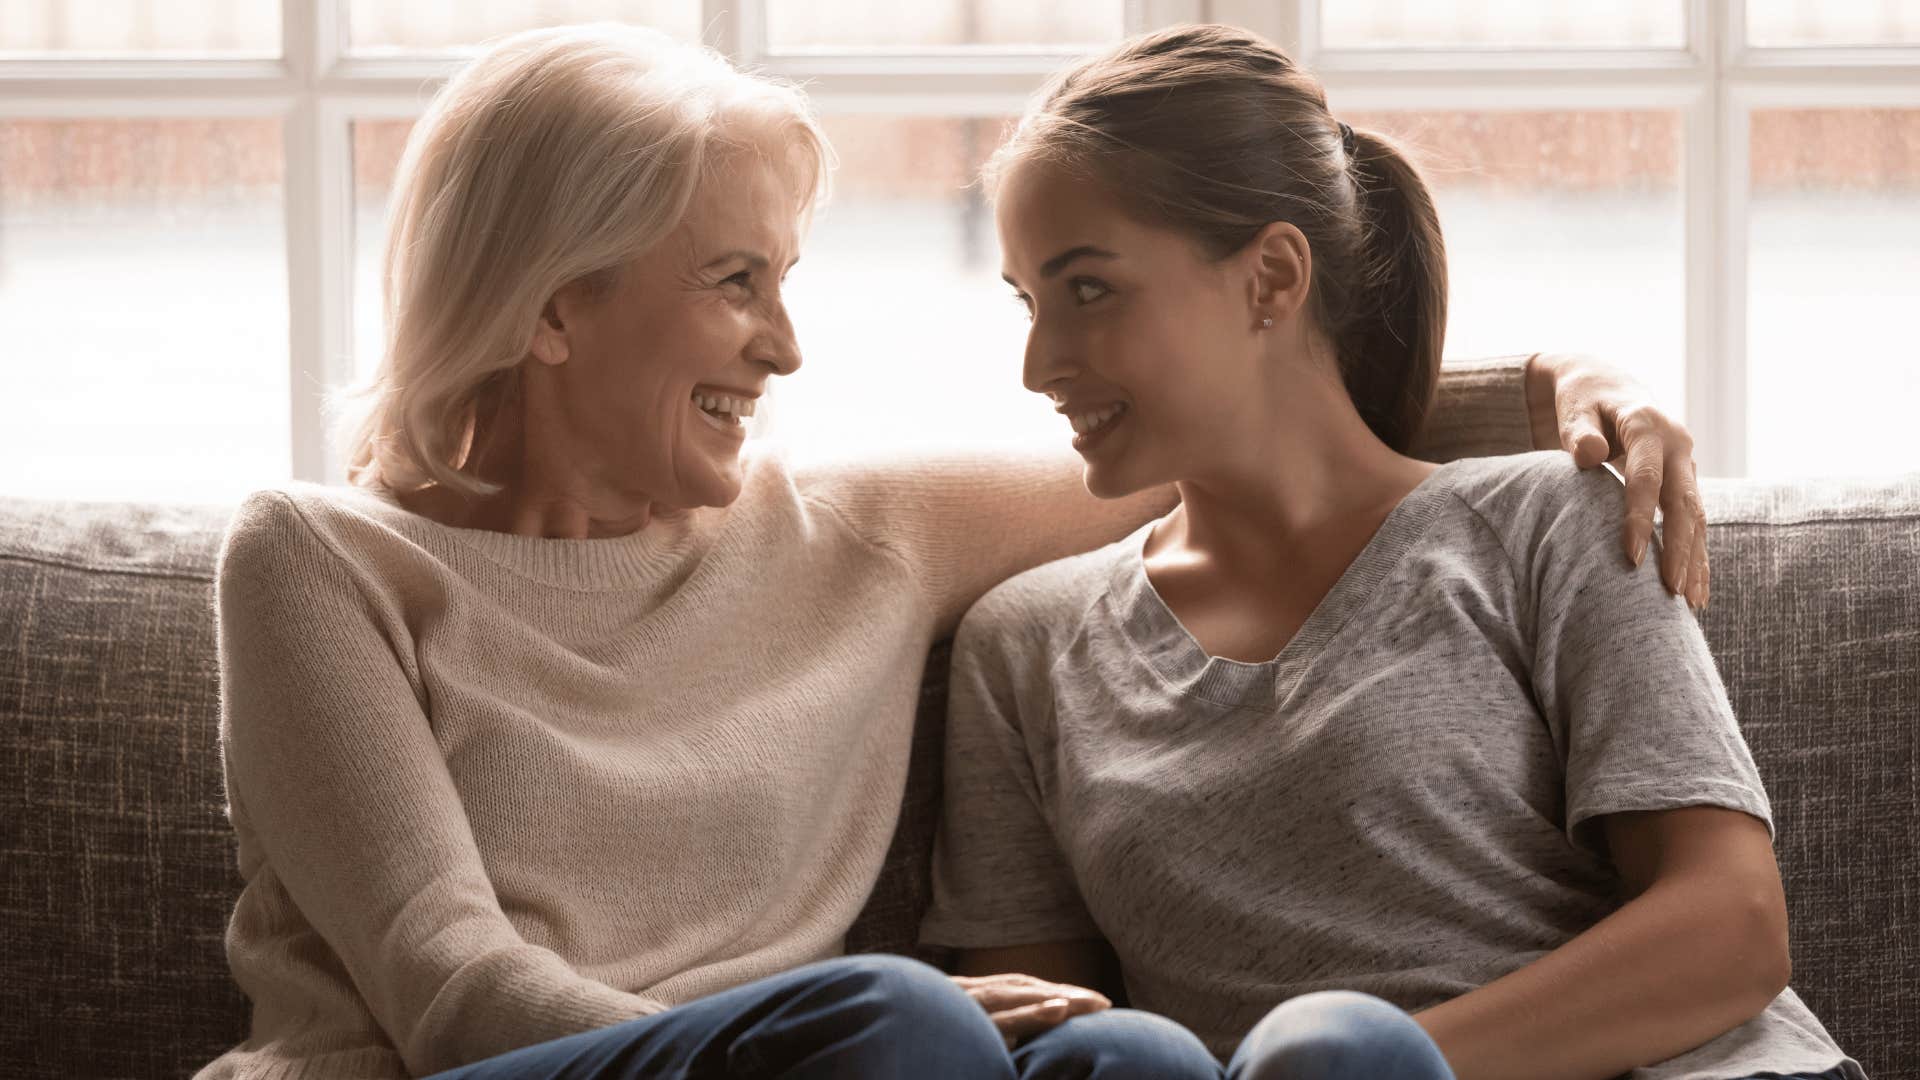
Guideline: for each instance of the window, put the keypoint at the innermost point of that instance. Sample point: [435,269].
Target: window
[1718,195]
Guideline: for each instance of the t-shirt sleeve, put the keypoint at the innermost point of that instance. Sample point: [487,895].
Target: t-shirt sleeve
[1634,702]
[999,877]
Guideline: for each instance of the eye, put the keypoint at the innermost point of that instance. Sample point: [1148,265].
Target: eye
[1025,302]
[1087,290]
[741,280]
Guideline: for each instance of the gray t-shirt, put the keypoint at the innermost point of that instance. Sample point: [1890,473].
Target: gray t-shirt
[1402,802]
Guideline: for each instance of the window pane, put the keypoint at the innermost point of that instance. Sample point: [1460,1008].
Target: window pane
[143,291]
[377,26]
[1834,279]
[376,155]
[875,24]
[1563,231]
[1826,22]
[910,337]
[1501,24]
[140,27]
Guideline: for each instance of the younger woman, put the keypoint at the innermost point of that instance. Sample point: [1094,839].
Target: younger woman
[1364,767]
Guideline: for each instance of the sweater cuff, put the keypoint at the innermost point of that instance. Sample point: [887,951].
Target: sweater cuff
[1479,410]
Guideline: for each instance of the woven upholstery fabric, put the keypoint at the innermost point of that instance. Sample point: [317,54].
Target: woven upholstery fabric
[119,870]
[1815,625]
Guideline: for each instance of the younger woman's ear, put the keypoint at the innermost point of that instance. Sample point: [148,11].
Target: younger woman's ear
[549,337]
[1282,272]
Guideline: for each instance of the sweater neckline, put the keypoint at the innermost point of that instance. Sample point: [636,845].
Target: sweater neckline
[645,555]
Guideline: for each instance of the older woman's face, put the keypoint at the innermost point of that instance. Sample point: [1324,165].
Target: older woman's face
[651,364]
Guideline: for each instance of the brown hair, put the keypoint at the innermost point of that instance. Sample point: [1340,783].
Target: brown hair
[1214,131]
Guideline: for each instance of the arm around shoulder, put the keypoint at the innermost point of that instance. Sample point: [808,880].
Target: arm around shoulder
[965,522]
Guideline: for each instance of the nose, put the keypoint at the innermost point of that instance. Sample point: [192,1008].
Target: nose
[777,346]
[1048,362]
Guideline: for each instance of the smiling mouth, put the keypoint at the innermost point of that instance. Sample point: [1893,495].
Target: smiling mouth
[724,408]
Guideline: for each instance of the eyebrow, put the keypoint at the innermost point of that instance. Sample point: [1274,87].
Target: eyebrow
[1060,262]
[752,258]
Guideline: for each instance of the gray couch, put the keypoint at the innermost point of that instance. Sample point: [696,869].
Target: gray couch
[119,865]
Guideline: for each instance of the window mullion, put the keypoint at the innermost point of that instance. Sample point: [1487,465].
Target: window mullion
[319,222]
[1277,20]
[735,28]
[1717,372]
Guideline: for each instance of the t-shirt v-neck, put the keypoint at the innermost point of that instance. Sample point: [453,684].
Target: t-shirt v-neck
[1165,644]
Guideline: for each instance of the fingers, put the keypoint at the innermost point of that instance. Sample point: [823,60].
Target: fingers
[1680,504]
[996,995]
[1700,577]
[1018,1025]
[1581,434]
[1645,472]
[1022,1006]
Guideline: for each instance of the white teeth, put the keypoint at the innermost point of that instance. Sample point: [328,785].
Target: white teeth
[1087,423]
[722,403]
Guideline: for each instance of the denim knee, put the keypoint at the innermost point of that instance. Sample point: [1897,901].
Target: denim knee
[1338,1035]
[918,1011]
[1116,1044]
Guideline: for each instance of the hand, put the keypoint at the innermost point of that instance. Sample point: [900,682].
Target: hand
[1598,413]
[1022,1006]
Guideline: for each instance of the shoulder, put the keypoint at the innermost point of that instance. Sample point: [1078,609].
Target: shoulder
[1044,605]
[1541,497]
[302,531]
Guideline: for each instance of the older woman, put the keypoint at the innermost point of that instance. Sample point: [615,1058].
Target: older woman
[568,740]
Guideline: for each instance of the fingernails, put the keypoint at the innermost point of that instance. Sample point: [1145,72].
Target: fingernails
[1639,550]
[1056,1004]
[1680,581]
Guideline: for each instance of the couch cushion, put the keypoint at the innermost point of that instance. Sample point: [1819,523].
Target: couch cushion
[1815,624]
[120,871]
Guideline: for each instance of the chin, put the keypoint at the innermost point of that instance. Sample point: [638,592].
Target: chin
[1107,482]
[722,484]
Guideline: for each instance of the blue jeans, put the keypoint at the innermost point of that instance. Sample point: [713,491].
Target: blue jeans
[859,1016]
[1337,1035]
[1342,1035]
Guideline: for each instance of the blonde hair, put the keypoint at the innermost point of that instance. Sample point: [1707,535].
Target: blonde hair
[555,157]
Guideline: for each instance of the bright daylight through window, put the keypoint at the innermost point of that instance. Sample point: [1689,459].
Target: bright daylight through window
[1722,198]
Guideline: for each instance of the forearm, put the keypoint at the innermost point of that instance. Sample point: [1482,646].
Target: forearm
[1480,409]
[1672,969]
[1542,416]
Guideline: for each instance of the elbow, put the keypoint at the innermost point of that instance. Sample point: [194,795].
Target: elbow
[1763,959]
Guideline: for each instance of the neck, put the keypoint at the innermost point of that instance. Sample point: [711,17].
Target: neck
[1305,477]
[548,485]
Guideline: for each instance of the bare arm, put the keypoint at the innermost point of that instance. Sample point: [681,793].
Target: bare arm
[1699,948]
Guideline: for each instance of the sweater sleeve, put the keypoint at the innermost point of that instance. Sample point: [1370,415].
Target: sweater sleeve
[332,763]
[1479,410]
[963,524]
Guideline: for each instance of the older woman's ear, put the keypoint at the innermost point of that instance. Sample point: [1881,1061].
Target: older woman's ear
[550,337]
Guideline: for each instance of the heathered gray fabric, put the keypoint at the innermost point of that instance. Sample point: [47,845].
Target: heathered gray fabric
[1402,802]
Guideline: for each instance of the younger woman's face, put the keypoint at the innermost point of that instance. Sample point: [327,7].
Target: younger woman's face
[1148,348]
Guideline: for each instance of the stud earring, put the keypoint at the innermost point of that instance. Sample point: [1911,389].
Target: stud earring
[1266,323]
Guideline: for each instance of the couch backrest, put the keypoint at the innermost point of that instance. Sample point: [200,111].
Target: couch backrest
[119,872]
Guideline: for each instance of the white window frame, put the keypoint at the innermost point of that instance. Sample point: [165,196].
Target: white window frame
[317,88]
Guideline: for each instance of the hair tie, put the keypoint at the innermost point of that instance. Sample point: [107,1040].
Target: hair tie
[1346,137]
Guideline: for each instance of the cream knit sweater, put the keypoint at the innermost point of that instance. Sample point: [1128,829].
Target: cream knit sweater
[492,790]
